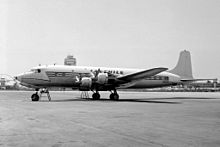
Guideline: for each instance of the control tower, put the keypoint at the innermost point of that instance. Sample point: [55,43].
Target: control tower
[2,82]
[70,60]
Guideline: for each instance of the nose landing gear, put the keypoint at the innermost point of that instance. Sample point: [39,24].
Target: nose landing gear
[36,96]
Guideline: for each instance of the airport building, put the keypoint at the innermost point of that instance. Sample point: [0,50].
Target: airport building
[2,82]
[70,60]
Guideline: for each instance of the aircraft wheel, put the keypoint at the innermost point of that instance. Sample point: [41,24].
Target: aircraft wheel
[96,96]
[111,96]
[35,97]
[114,96]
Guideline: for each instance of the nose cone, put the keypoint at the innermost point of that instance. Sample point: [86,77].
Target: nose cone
[19,77]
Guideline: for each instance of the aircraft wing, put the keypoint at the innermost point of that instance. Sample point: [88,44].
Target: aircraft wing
[141,74]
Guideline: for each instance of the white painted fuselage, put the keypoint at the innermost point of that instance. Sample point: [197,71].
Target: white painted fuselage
[69,76]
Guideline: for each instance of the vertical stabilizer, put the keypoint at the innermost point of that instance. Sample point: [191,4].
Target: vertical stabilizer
[184,66]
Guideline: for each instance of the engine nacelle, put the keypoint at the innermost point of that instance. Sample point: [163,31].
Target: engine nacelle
[86,84]
[102,78]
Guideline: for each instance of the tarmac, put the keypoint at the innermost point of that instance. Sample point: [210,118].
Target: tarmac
[155,119]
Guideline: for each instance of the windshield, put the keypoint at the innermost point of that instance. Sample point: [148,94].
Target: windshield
[35,70]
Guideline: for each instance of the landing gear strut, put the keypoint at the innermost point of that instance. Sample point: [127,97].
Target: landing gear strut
[96,96]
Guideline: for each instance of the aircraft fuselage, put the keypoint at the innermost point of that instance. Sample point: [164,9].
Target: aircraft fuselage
[69,76]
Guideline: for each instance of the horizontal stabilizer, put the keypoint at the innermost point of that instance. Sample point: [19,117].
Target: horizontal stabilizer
[142,74]
[194,80]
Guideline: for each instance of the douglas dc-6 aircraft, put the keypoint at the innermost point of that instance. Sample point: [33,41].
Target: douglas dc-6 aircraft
[105,79]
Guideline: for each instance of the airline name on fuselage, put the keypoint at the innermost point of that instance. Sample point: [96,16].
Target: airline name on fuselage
[107,71]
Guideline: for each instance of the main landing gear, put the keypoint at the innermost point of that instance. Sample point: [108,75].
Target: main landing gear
[37,95]
[113,96]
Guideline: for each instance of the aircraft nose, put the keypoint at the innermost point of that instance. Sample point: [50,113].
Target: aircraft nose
[18,77]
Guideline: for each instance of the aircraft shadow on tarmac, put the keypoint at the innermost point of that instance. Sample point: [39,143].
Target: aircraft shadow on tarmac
[186,98]
[141,100]
[138,100]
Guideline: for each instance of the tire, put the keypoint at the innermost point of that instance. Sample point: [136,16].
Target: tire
[116,97]
[96,96]
[111,96]
[35,97]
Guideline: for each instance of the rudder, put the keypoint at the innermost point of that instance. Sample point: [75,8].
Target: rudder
[184,66]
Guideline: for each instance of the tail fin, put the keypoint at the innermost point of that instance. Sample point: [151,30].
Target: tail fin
[184,66]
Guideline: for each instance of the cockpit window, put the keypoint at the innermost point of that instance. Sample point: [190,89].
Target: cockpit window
[36,70]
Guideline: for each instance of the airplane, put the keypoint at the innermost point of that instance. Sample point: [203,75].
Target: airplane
[97,79]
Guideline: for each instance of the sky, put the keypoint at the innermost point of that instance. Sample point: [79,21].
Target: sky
[110,33]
